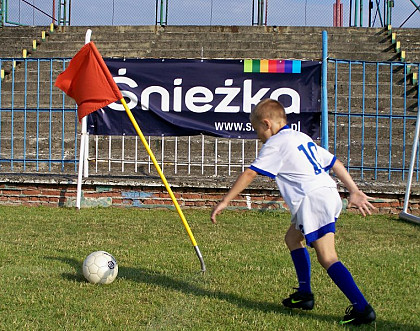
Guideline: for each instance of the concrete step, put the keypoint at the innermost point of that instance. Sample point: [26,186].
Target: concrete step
[232,53]
[367,126]
[185,29]
[150,50]
[207,33]
[218,28]
[22,31]
[14,39]
[18,121]
[222,145]
[369,89]
[104,29]
[290,39]
[407,35]
[382,156]
[34,100]
[369,103]
[370,98]
[33,65]
[43,75]
[398,128]
[45,82]
[191,54]
[185,42]
[383,76]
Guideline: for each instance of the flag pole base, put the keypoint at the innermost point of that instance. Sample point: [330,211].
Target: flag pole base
[200,257]
[410,218]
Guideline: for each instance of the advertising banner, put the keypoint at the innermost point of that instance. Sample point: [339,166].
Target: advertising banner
[174,97]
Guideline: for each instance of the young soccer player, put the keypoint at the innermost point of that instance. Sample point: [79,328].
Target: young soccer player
[300,169]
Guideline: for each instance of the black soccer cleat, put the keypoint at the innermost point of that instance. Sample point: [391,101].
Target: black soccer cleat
[300,300]
[355,317]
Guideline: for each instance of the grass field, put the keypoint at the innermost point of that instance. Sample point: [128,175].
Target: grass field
[160,286]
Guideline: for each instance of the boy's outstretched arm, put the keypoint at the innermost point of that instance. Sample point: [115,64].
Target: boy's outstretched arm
[357,198]
[241,183]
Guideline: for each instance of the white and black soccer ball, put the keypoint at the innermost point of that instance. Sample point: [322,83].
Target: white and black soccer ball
[100,268]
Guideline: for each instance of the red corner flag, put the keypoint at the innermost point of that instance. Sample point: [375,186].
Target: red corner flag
[88,81]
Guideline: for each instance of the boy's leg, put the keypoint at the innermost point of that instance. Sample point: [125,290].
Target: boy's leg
[327,257]
[300,256]
[303,298]
[325,250]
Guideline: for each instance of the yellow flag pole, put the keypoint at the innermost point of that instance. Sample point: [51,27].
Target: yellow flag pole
[165,182]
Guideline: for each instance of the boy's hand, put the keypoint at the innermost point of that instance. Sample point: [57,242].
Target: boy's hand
[217,210]
[241,183]
[361,201]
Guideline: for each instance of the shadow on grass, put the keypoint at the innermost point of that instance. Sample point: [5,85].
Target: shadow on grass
[146,276]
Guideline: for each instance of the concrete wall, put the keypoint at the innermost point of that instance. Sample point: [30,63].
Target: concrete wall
[150,193]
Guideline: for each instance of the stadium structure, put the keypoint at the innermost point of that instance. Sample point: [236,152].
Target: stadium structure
[371,97]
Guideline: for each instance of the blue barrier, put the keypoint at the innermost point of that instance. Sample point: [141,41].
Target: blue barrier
[30,130]
[396,94]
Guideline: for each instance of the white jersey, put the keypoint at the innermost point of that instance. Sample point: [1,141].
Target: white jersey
[298,165]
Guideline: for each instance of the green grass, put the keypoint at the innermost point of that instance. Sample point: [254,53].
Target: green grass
[160,287]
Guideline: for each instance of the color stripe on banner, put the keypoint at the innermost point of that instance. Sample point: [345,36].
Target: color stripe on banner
[273,66]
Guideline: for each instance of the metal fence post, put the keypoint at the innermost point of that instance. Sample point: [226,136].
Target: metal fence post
[324,93]
[2,16]
[161,17]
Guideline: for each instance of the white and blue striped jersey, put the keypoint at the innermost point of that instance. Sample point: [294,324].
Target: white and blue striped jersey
[297,164]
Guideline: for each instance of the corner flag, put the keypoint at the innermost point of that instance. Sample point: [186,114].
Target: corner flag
[88,81]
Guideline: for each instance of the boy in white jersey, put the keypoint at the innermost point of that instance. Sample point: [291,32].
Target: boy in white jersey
[300,169]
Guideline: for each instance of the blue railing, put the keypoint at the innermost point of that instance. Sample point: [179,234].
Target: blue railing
[371,113]
[38,126]
[374,116]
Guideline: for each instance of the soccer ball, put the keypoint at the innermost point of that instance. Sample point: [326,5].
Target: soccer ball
[100,268]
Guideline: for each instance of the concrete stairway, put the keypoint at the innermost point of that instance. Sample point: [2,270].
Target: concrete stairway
[208,42]
[222,42]
[14,39]
[237,43]
[410,42]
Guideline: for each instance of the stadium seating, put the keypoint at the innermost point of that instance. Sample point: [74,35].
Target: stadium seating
[210,42]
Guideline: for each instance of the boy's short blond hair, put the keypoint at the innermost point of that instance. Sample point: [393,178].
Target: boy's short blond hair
[268,109]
